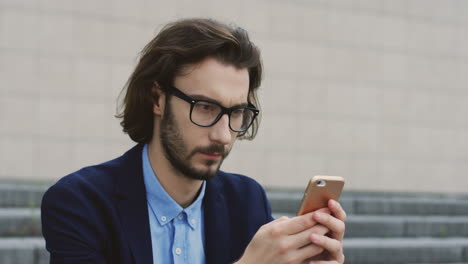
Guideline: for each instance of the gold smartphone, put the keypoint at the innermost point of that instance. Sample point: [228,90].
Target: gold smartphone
[319,190]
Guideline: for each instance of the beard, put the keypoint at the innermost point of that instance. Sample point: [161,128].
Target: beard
[178,154]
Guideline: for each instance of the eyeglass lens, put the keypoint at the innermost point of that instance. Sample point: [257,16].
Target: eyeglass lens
[205,114]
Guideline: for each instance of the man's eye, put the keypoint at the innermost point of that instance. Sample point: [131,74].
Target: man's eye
[238,112]
[205,107]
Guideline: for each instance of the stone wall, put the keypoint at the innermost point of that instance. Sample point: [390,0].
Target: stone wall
[371,90]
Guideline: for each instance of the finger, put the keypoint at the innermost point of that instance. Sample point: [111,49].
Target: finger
[324,210]
[274,222]
[332,246]
[336,226]
[309,251]
[324,262]
[318,229]
[337,210]
[295,225]
[280,219]
[302,239]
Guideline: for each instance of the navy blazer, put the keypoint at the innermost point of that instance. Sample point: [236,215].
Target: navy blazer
[99,214]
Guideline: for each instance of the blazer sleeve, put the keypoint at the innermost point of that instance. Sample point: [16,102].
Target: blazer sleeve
[67,225]
[267,206]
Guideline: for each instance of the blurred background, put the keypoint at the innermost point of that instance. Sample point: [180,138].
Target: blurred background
[372,90]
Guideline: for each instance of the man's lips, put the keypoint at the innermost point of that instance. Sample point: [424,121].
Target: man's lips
[215,155]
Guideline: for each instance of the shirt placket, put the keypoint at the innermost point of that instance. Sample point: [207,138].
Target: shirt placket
[179,250]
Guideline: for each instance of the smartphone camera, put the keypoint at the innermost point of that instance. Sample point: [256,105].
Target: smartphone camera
[321,183]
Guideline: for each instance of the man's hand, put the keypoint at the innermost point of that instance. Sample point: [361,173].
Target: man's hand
[288,240]
[315,238]
[332,243]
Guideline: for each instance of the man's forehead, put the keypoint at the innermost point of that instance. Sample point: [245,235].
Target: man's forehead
[215,80]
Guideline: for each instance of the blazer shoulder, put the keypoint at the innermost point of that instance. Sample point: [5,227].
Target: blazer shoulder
[100,178]
[97,176]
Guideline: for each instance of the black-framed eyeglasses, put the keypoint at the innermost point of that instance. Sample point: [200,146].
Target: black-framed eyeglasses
[206,112]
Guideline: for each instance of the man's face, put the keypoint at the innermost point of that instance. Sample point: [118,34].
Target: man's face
[198,152]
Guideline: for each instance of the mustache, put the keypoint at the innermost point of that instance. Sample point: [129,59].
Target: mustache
[211,149]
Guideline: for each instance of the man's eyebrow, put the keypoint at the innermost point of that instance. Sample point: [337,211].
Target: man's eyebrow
[205,98]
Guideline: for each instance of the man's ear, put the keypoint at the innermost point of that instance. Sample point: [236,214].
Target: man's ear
[159,99]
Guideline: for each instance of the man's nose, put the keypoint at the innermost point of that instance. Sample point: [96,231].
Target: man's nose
[220,132]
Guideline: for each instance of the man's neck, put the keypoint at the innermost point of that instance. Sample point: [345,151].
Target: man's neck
[182,189]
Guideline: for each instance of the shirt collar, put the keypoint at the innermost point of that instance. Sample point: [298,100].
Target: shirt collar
[164,207]
[195,210]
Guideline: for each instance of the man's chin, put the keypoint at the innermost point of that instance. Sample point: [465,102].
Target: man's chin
[202,175]
[205,173]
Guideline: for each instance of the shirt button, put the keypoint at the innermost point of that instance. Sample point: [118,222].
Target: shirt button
[193,221]
[163,218]
[181,216]
[178,251]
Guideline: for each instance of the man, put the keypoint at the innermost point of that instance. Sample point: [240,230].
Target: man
[192,94]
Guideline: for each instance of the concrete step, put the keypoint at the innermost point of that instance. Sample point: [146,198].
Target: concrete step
[26,222]
[374,194]
[21,195]
[30,250]
[357,251]
[406,226]
[368,203]
[407,250]
[403,226]
[375,205]
[16,222]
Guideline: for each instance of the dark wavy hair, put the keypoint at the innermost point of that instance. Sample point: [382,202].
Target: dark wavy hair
[179,44]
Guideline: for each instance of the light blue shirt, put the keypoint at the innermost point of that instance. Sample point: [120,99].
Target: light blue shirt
[177,234]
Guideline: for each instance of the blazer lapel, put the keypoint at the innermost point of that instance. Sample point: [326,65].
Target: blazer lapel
[217,224]
[133,208]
